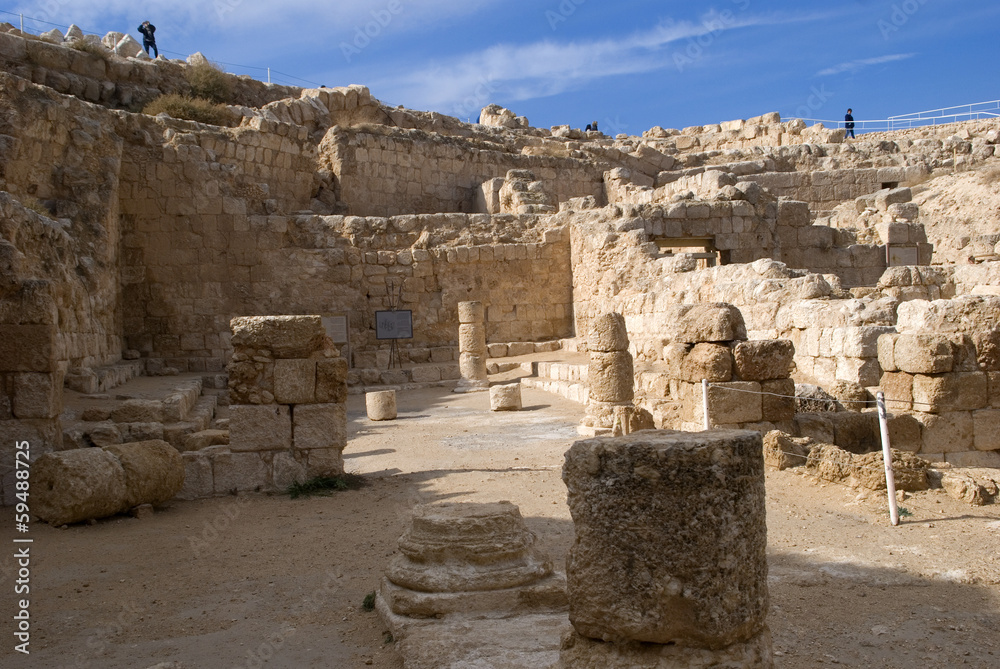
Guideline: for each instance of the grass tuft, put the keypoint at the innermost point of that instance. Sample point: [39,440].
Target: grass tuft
[368,604]
[325,485]
[190,109]
[208,81]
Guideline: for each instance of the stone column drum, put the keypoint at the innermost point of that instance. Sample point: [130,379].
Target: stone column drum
[610,376]
[669,559]
[472,348]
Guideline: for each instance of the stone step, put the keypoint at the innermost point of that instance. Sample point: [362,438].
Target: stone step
[103,379]
[197,419]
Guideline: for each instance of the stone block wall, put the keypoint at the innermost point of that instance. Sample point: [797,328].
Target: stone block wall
[287,413]
[114,81]
[340,265]
[941,372]
[386,171]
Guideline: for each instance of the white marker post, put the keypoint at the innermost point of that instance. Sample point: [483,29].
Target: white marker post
[704,402]
[890,478]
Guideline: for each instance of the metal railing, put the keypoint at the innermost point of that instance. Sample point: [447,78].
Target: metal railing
[969,112]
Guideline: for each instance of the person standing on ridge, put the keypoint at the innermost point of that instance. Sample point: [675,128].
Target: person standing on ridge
[147,29]
[849,124]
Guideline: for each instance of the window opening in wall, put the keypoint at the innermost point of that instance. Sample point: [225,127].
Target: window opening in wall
[700,248]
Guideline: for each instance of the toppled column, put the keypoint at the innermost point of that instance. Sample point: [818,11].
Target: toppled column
[472,348]
[80,484]
[669,564]
[610,376]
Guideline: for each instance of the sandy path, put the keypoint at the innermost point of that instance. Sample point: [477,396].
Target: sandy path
[232,582]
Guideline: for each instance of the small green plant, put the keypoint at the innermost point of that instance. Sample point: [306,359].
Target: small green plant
[904,512]
[191,109]
[387,637]
[208,81]
[325,485]
[368,604]
[91,48]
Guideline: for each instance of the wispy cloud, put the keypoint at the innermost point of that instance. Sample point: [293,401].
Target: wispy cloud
[855,66]
[545,68]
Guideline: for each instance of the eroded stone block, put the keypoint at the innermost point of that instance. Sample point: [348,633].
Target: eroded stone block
[260,427]
[294,381]
[319,426]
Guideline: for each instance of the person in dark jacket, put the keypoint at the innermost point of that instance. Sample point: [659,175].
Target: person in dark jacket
[147,29]
[849,124]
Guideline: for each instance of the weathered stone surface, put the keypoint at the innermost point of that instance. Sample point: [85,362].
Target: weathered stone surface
[812,399]
[381,405]
[286,470]
[198,481]
[506,397]
[850,396]
[670,538]
[923,353]
[472,366]
[471,312]
[319,426]
[950,432]
[205,438]
[733,402]
[958,391]
[579,652]
[331,381]
[607,334]
[72,486]
[972,486]
[154,471]
[238,472]
[37,395]
[132,432]
[611,377]
[763,360]
[138,411]
[472,337]
[467,547]
[987,344]
[259,428]
[696,323]
[986,429]
[294,381]
[283,336]
[324,462]
[713,362]
[778,401]
[782,451]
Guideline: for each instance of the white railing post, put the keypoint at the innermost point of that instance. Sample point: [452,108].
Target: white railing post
[268,75]
[704,401]
[890,478]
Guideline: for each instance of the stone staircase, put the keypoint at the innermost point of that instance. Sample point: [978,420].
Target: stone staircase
[176,409]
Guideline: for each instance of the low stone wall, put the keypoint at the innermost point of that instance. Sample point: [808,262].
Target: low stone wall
[288,420]
[385,171]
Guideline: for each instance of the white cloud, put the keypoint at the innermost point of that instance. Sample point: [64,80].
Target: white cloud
[545,68]
[856,66]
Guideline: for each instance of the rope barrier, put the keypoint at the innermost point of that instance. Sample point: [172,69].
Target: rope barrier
[797,397]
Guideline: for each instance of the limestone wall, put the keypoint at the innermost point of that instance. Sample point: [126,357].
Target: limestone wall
[335,264]
[386,172]
[112,80]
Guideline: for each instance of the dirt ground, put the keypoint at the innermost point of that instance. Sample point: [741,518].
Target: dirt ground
[267,581]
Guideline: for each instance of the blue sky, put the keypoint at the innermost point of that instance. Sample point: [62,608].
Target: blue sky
[630,64]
